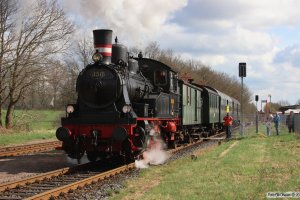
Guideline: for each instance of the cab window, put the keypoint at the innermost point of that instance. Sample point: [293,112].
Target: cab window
[160,77]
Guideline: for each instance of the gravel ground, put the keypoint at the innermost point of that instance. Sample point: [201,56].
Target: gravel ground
[104,189]
[18,167]
[101,190]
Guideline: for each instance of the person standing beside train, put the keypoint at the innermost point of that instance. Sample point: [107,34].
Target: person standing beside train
[290,122]
[268,124]
[228,123]
[276,121]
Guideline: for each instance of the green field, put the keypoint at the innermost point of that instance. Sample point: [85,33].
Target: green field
[246,168]
[31,125]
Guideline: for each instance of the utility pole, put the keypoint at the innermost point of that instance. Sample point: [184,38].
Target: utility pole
[256,117]
[270,104]
[242,74]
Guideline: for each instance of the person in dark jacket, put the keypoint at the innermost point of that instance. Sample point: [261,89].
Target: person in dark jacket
[276,121]
[228,123]
[290,122]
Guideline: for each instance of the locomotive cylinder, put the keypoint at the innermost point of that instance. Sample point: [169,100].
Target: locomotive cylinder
[103,44]
[63,134]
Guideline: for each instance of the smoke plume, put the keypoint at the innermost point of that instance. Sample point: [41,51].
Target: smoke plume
[135,20]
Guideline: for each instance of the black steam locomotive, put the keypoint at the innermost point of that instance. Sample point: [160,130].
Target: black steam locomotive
[124,101]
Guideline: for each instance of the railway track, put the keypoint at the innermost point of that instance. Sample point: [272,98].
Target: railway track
[55,183]
[30,148]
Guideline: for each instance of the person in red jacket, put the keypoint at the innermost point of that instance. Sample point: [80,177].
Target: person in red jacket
[228,123]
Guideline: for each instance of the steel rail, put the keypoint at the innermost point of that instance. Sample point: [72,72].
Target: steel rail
[64,189]
[32,179]
[30,148]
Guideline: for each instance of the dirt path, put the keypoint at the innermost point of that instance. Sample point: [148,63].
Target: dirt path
[227,150]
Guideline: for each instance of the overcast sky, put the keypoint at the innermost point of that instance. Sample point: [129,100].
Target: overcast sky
[220,33]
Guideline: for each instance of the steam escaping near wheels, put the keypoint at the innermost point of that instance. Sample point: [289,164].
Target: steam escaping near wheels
[154,155]
[74,161]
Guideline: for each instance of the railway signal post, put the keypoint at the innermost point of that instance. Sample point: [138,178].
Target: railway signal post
[256,117]
[242,74]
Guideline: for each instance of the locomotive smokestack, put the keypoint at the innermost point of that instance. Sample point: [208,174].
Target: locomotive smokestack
[103,43]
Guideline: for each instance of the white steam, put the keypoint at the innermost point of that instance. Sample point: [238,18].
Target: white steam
[135,20]
[156,155]
[74,161]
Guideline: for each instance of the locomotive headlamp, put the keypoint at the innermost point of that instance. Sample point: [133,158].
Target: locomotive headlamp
[70,109]
[97,57]
[126,109]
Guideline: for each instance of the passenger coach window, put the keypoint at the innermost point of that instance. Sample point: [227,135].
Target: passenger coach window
[173,82]
[160,77]
[188,95]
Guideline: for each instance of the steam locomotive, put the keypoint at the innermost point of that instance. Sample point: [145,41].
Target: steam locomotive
[123,102]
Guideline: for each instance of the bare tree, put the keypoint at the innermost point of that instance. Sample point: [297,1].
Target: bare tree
[283,103]
[7,10]
[274,107]
[43,33]
[61,79]
[152,50]
[134,51]
[68,88]
[84,50]
[57,87]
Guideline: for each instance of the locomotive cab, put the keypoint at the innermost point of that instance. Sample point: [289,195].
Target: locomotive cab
[164,100]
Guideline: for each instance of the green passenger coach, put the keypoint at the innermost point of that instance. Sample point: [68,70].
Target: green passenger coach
[191,104]
[211,107]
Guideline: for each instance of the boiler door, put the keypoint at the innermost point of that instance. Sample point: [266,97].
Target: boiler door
[99,87]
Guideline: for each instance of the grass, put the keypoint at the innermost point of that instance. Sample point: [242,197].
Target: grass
[251,167]
[34,119]
[31,125]
[24,137]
